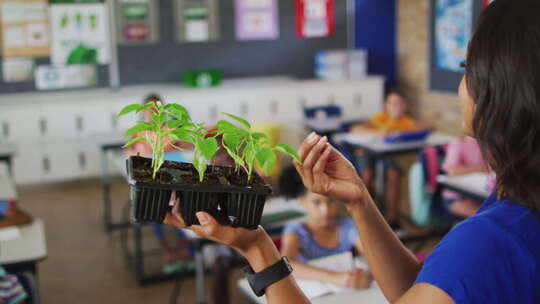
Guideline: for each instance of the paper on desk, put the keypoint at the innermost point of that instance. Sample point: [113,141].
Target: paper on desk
[314,289]
[9,234]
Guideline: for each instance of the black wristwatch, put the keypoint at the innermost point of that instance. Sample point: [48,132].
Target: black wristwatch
[275,273]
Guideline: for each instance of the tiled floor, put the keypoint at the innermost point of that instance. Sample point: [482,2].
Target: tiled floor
[85,264]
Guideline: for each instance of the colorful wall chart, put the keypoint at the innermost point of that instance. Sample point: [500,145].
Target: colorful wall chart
[65,77]
[80,34]
[137,21]
[23,28]
[196,20]
[453,27]
[315,18]
[256,19]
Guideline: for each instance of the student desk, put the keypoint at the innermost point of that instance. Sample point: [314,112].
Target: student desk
[379,150]
[7,187]
[473,186]
[6,155]
[109,144]
[324,126]
[372,295]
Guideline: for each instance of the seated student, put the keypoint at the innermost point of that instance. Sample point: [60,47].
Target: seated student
[463,156]
[322,234]
[389,122]
[142,148]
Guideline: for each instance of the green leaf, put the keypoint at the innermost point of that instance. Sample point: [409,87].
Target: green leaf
[237,158]
[232,141]
[146,106]
[175,123]
[183,135]
[200,165]
[134,140]
[227,127]
[128,109]
[288,150]
[142,126]
[244,122]
[177,111]
[267,160]
[207,147]
[258,136]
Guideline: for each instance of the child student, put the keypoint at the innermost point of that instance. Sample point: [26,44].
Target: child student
[142,148]
[322,234]
[389,122]
[463,156]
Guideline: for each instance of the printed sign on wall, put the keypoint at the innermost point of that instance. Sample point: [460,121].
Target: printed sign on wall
[453,27]
[23,28]
[196,20]
[315,18]
[137,21]
[256,19]
[65,77]
[80,34]
[17,69]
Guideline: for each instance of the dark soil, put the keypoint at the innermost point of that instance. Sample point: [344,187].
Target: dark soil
[185,173]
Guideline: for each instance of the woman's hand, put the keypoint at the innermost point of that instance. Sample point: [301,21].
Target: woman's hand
[326,171]
[255,245]
[355,279]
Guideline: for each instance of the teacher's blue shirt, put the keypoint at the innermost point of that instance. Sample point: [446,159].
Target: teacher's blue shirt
[492,257]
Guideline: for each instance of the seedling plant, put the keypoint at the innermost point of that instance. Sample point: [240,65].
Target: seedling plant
[172,123]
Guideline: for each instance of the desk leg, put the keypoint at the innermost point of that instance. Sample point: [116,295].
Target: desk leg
[106,190]
[199,264]
[138,265]
[380,183]
[9,163]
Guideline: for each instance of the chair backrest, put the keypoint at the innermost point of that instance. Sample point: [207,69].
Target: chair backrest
[327,110]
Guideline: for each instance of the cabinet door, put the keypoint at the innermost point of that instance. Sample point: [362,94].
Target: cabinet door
[61,161]
[88,159]
[60,122]
[20,124]
[94,119]
[28,164]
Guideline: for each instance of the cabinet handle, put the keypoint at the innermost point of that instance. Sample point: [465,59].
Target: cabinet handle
[213,112]
[114,121]
[331,100]
[5,129]
[274,107]
[43,126]
[46,165]
[82,160]
[358,100]
[244,109]
[79,123]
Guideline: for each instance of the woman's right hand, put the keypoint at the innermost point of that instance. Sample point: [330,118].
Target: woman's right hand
[326,171]
[355,279]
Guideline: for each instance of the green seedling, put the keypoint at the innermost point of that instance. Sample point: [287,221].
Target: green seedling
[247,147]
[168,125]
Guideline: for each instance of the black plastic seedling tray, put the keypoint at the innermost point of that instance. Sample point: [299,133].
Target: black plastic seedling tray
[232,205]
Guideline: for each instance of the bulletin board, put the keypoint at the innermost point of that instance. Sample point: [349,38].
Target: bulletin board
[165,60]
[447,49]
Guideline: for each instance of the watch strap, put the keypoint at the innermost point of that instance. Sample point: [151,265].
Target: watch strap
[268,276]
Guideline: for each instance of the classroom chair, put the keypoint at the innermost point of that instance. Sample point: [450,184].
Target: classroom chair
[427,208]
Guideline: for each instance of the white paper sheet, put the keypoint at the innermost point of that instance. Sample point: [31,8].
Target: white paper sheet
[9,234]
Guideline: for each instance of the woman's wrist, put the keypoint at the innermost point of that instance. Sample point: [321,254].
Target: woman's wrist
[261,253]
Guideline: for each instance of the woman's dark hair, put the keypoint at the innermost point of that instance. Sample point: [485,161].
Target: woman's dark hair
[290,184]
[503,78]
[152,97]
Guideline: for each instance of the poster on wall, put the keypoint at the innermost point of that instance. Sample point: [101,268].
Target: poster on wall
[256,20]
[137,21]
[80,34]
[451,23]
[65,77]
[315,18]
[24,28]
[17,69]
[454,19]
[196,20]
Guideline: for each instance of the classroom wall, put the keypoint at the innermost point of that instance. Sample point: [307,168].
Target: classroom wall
[376,32]
[442,110]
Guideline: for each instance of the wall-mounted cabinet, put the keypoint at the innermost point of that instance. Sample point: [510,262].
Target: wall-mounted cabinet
[56,135]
